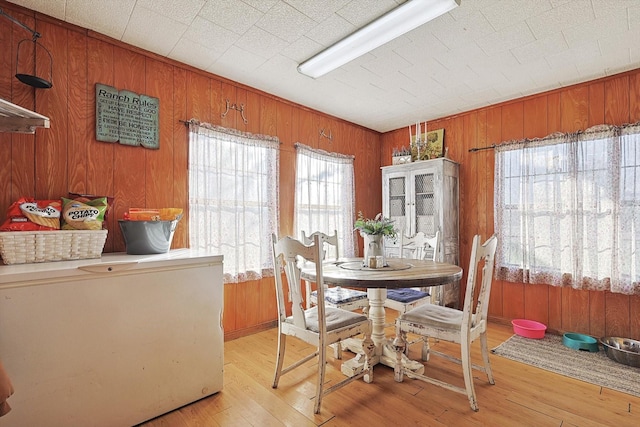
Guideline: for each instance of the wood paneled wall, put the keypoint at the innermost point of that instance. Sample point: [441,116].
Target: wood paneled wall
[67,156]
[612,100]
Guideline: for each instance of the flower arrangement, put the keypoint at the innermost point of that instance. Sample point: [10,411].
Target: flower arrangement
[378,225]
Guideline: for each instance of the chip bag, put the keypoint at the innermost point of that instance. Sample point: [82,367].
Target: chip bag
[27,214]
[77,215]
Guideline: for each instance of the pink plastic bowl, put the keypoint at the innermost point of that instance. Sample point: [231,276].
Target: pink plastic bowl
[529,328]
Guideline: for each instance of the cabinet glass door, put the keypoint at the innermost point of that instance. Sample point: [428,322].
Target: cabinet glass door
[397,199]
[425,204]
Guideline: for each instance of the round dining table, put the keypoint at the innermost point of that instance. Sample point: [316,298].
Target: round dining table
[397,273]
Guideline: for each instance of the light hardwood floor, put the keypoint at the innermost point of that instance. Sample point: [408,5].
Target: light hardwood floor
[522,396]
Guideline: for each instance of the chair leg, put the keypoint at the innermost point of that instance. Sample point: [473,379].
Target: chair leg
[282,339]
[322,356]
[465,353]
[485,357]
[426,350]
[337,350]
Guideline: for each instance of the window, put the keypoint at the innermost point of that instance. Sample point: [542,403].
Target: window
[324,199]
[233,195]
[567,210]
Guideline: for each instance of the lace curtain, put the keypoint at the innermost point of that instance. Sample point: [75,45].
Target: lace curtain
[324,199]
[233,198]
[567,209]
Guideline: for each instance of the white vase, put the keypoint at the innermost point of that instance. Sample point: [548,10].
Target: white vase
[374,247]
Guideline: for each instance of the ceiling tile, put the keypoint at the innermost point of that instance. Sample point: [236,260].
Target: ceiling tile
[152,31]
[506,38]
[331,30]
[91,13]
[261,5]
[261,43]
[183,11]
[301,49]
[586,52]
[633,16]
[387,65]
[235,15]
[506,13]
[361,12]
[317,10]
[466,30]
[460,56]
[537,49]
[285,22]
[604,25]
[55,8]
[565,16]
[423,45]
[239,59]
[213,36]
[183,52]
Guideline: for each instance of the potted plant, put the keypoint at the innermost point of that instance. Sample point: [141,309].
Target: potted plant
[374,231]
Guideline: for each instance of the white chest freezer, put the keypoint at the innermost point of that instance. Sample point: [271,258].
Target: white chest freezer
[112,341]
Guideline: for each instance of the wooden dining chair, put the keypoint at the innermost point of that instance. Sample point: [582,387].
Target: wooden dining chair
[458,326]
[319,326]
[334,296]
[419,246]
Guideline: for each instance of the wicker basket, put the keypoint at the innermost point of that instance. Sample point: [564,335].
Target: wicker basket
[25,247]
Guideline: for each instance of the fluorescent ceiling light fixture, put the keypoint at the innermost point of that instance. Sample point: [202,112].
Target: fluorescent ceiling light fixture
[395,23]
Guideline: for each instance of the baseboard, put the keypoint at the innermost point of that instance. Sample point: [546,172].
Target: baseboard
[228,336]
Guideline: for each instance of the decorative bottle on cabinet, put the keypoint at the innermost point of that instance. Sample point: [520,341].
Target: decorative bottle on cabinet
[423,196]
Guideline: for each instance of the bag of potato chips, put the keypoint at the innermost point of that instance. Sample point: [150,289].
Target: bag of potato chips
[77,215]
[27,214]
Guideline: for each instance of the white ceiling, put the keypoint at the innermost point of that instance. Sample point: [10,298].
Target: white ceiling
[481,53]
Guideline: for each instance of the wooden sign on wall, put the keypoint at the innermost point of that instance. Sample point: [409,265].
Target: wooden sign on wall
[126,117]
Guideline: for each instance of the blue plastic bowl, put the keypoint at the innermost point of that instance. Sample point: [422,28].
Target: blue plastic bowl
[580,342]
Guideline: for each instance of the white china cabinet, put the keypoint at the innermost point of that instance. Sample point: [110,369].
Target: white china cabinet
[423,196]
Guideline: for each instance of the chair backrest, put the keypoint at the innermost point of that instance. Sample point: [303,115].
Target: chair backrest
[331,242]
[482,256]
[291,254]
[420,246]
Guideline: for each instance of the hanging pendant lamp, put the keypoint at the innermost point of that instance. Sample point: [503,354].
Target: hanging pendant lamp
[24,49]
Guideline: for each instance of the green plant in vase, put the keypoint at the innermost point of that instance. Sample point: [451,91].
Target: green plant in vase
[378,225]
[374,231]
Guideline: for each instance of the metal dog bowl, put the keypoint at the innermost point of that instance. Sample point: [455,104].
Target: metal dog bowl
[622,350]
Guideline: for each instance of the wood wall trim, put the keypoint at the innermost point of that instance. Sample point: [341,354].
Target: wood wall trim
[232,335]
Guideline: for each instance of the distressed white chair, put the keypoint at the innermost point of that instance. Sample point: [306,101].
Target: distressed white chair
[319,326]
[419,246]
[402,300]
[458,326]
[334,296]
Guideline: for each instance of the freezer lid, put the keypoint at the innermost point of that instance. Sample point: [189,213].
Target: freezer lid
[111,263]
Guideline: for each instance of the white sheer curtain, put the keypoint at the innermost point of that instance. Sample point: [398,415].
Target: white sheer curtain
[233,198]
[324,199]
[567,209]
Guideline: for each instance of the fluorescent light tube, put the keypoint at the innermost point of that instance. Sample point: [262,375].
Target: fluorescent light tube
[395,23]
